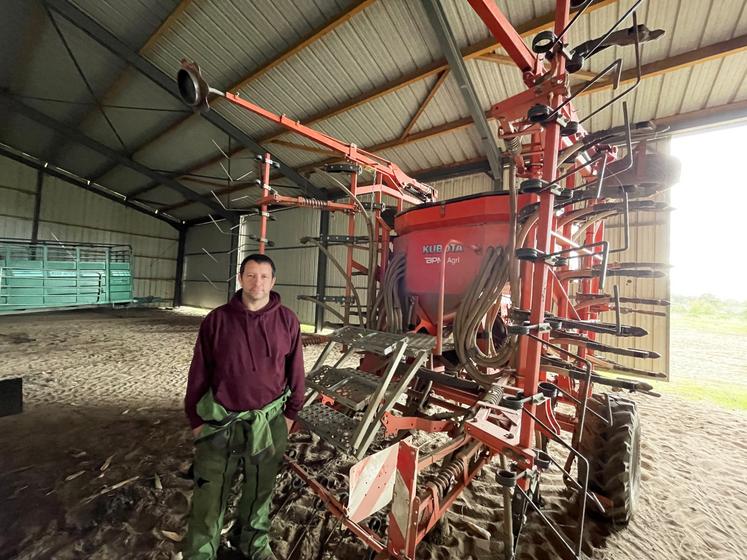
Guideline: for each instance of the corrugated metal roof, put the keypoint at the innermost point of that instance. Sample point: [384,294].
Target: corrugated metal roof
[80,159]
[18,28]
[387,40]
[238,166]
[369,50]
[48,68]
[133,21]
[51,73]
[123,180]
[159,109]
[24,134]
[708,84]
[687,25]
[376,121]
[195,142]
[231,39]
[164,195]
[463,186]
[459,145]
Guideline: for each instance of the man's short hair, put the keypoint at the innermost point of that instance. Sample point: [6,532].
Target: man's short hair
[257,258]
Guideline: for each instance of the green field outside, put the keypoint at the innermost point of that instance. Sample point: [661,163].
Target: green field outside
[708,351]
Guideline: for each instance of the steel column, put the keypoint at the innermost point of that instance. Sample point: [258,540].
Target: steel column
[178,278]
[233,255]
[321,271]
[37,206]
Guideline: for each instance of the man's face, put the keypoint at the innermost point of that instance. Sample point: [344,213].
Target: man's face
[257,280]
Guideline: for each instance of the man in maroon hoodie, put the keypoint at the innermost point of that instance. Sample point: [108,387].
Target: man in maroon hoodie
[245,388]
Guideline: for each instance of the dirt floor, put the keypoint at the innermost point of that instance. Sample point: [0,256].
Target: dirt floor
[96,467]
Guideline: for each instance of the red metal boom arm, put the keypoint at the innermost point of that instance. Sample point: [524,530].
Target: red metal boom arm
[194,91]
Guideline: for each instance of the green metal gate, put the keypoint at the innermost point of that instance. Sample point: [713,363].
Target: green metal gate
[36,276]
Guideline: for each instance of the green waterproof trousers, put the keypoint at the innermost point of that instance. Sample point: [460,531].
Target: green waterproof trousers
[217,459]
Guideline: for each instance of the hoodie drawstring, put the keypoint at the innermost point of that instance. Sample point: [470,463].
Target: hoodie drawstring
[249,342]
[264,335]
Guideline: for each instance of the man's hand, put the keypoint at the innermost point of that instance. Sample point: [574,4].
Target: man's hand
[196,431]
[289,423]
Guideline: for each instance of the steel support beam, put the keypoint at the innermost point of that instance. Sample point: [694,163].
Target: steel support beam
[178,277]
[118,83]
[728,113]
[233,256]
[459,169]
[321,271]
[436,15]
[37,206]
[106,39]
[76,136]
[423,104]
[53,171]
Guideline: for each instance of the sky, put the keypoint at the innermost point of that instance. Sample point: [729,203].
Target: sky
[709,224]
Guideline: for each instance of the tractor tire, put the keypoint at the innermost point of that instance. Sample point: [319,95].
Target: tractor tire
[614,455]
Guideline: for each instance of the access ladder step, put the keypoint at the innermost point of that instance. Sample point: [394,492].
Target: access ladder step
[330,425]
[418,342]
[349,387]
[376,342]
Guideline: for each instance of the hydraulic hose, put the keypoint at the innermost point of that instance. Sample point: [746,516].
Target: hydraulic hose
[389,302]
[478,303]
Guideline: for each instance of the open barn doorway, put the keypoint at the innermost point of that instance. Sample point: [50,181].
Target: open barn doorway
[709,302]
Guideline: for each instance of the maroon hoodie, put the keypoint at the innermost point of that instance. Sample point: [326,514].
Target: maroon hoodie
[248,358]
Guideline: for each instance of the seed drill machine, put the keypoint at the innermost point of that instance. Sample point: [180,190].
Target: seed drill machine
[479,324]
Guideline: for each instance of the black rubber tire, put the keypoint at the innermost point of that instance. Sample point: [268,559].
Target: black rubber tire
[614,455]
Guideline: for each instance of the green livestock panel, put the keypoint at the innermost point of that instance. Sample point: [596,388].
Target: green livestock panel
[47,276]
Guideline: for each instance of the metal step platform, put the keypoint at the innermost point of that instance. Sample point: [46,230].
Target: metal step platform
[332,426]
[359,391]
[383,343]
[418,343]
[377,342]
[347,386]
